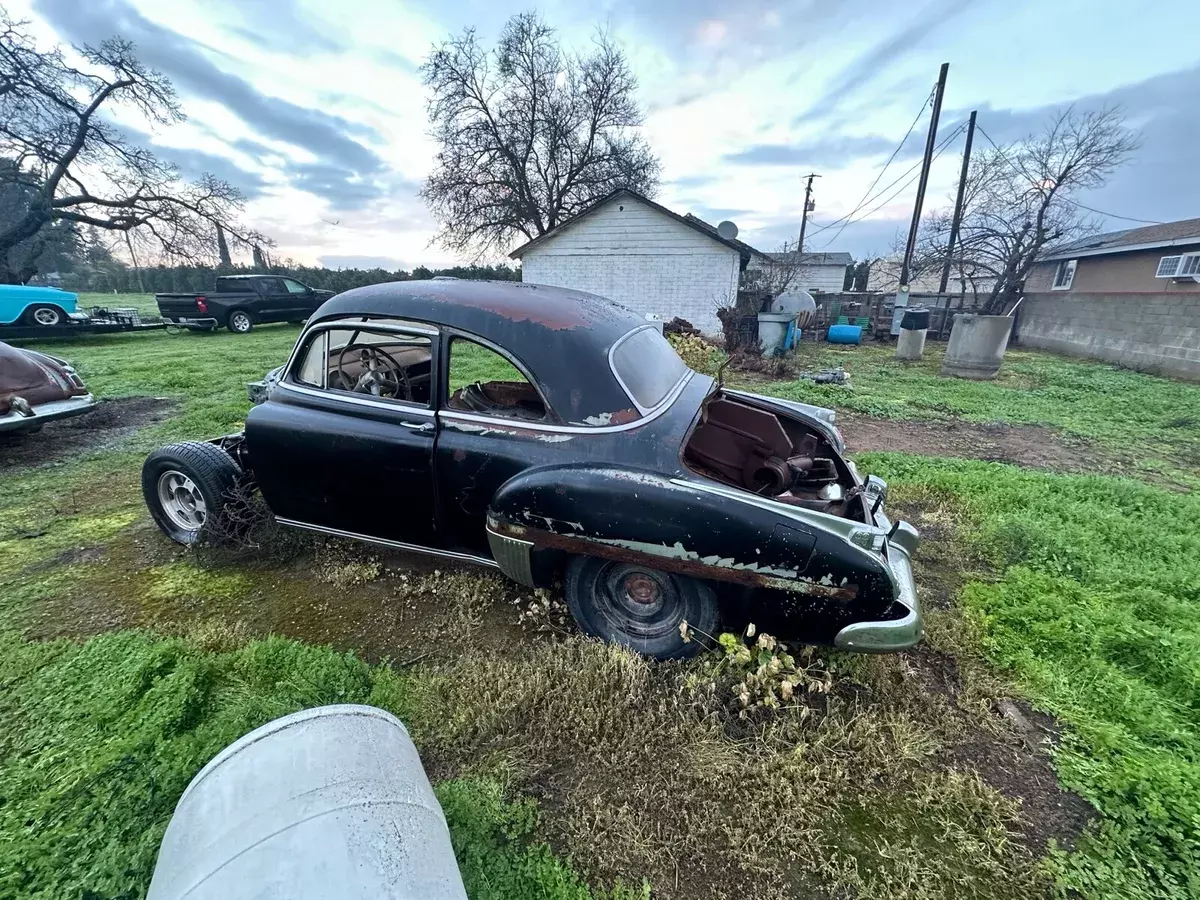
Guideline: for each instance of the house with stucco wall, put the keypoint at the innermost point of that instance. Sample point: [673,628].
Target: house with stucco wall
[1156,259]
[637,252]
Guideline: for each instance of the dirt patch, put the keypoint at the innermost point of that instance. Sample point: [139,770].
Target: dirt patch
[400,607]
[1048,812]
[107,425]
[1034,446]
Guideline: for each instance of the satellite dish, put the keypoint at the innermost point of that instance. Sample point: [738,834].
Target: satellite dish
[727,230]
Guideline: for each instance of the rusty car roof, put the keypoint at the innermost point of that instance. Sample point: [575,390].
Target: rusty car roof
[562,336]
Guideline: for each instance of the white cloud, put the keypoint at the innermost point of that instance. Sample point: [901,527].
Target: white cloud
[716,79]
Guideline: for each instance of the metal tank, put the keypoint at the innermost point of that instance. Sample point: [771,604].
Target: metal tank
[325,803]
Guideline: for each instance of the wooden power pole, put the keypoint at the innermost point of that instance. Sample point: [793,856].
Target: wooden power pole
[808,205]
[923,181]
[956,220]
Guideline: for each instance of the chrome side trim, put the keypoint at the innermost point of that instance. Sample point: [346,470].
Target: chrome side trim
[455,415]
[395,545]
[395,406]
[644,410]
[512,556]
[376,325]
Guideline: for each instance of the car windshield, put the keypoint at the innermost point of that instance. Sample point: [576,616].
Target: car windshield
[647,366]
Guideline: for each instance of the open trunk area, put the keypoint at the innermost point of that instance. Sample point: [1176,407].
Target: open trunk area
[773,455]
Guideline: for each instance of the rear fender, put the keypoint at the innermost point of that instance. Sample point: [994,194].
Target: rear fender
[637,516]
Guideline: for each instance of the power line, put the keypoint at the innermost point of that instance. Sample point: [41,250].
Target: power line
[891,158]
[940,149]
[1022,172]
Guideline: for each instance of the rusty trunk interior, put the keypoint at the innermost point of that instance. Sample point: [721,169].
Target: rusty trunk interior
[772,455]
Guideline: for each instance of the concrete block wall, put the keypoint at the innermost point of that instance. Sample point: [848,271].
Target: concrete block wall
[1150,332]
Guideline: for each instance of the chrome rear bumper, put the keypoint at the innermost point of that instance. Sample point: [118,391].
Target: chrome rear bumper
[14,422]
[893,634]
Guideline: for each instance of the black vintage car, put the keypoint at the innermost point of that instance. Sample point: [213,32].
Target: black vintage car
[551,433]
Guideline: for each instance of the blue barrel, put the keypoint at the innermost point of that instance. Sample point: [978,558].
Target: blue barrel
[844,334]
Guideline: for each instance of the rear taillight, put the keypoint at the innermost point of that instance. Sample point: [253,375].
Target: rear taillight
[201,305]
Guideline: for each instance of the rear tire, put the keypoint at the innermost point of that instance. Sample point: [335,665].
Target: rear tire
[45,315]
[640,608]
[188,488]
[240,322]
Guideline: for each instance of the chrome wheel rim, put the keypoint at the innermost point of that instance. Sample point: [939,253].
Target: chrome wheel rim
[241,322]
[181,500]
[46,316]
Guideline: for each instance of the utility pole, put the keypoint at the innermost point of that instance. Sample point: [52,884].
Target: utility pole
[956,221]
[808,206]
[930,140]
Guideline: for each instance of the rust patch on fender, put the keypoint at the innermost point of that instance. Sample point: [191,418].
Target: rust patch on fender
[674,564]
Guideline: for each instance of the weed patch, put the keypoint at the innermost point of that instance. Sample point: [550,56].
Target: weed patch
[1095,610]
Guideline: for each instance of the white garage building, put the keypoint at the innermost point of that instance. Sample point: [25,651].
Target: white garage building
[632,250]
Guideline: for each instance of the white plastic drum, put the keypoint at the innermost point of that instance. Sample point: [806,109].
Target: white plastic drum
[325,803]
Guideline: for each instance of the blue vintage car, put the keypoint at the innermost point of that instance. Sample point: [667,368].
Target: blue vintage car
[23,304]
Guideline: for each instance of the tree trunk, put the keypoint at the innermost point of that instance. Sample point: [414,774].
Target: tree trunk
[7,275]
[223,247]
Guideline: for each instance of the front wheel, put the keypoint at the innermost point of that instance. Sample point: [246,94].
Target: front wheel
[45,315]
[189,488]
[240,321]
[639,607]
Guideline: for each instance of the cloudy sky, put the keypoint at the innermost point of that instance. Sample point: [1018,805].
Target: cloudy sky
[314,108]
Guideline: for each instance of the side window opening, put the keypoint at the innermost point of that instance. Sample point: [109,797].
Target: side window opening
[380,364]
[483,381]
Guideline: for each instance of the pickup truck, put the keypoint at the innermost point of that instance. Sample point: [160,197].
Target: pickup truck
[239,302]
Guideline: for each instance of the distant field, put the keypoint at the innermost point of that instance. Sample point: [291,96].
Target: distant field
[144,302]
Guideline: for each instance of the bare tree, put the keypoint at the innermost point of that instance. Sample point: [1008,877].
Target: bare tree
[72,164]
[1017,203]
[774,273]
[530,134]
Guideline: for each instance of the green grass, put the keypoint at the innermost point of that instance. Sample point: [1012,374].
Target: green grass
[101,738]
[143,302]
[1089,602]
[470,362]
[1096,612]
[1119,408]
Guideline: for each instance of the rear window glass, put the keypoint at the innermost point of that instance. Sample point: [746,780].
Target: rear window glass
[647,366]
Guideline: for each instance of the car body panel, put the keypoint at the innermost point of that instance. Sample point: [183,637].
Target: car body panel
[36,388]
[17,299]
[561,337]
[515,492]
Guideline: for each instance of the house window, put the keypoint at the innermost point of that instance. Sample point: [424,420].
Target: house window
[1064,275]
[1190,265]
[1168,267]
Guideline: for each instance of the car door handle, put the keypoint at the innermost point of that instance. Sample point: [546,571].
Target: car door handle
[419,426]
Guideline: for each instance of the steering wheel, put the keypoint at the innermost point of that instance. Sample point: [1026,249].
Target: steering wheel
[381,373]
